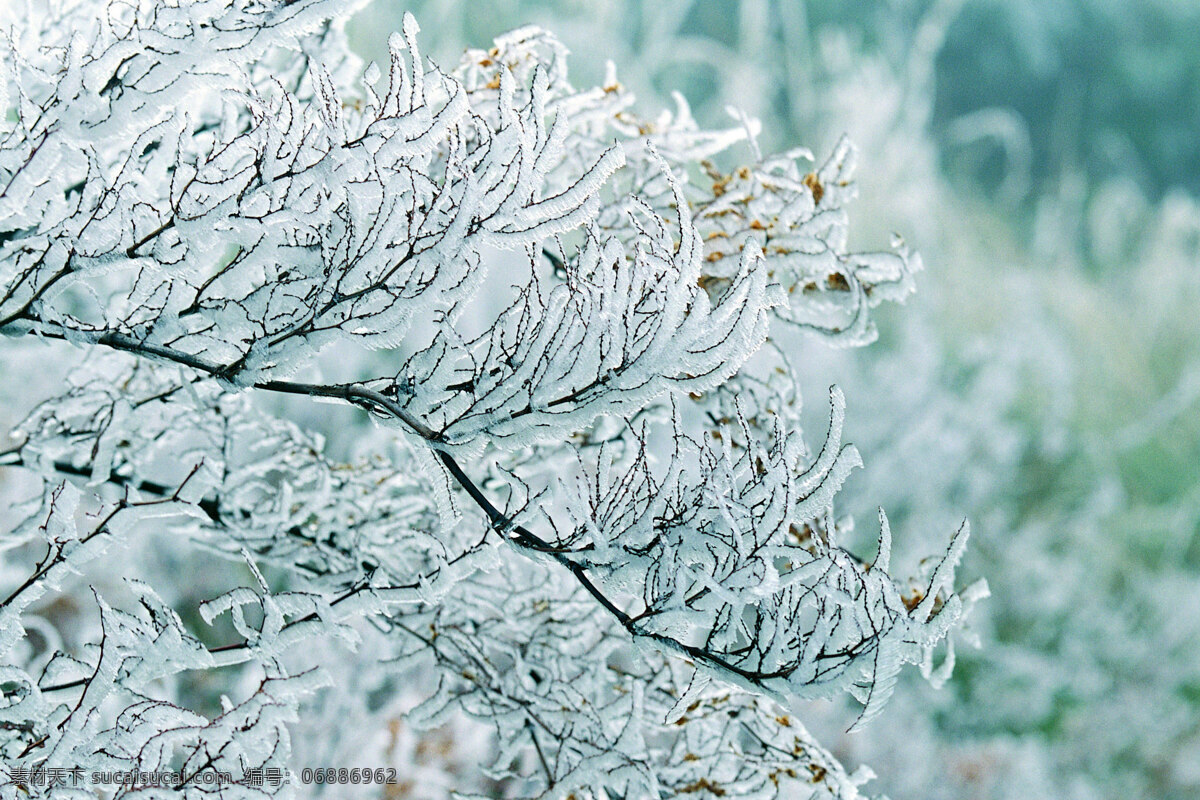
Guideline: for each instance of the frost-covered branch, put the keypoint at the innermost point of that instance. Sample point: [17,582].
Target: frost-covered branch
[559,311]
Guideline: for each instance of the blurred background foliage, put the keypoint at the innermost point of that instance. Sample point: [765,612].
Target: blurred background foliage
[1045,382]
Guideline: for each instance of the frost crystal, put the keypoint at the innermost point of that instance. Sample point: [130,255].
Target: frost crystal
[591,522]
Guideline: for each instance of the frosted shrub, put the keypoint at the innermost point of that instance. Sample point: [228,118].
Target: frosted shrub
[602,535]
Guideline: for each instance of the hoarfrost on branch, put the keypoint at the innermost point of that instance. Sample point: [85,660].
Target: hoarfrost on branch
[604,536]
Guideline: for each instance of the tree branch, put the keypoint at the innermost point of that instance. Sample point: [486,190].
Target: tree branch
[356,394]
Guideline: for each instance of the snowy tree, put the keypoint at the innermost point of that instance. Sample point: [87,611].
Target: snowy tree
[587,519]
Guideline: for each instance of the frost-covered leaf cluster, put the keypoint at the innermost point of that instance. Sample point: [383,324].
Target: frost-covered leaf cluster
[589,524]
